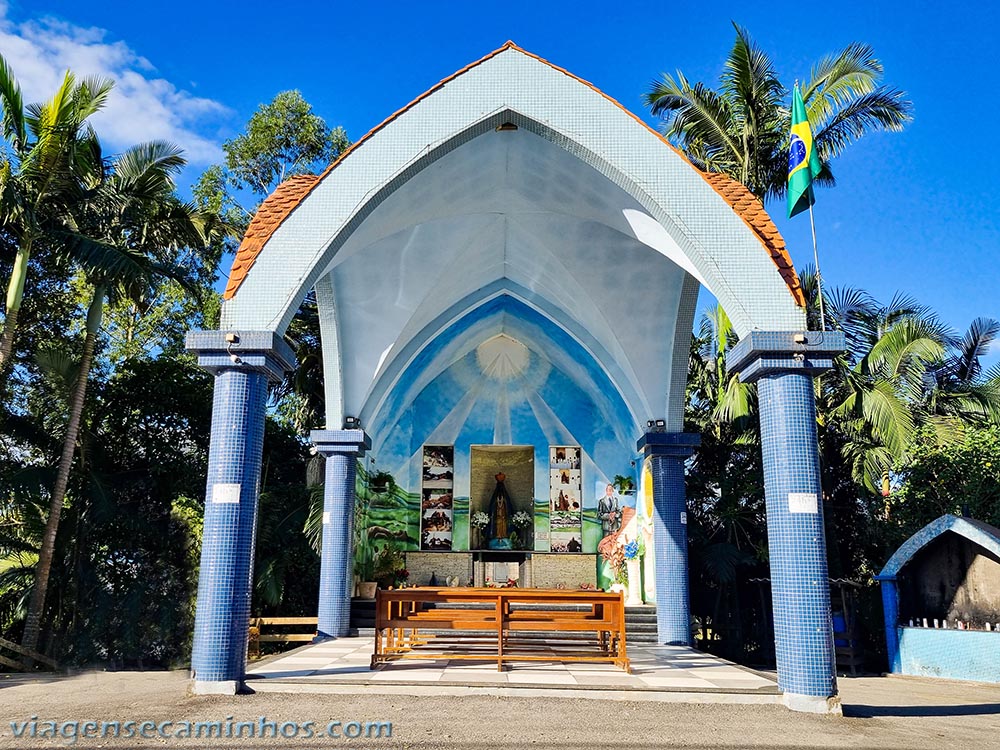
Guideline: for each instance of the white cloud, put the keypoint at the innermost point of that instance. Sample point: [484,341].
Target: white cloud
[142,107]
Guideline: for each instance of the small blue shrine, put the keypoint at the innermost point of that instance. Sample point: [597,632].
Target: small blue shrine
[941,594]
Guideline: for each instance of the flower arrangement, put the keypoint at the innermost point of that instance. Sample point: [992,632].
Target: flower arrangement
[479,520]
[511,583]
[520,520]
[632,550]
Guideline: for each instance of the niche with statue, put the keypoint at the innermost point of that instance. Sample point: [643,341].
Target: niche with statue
[501,497]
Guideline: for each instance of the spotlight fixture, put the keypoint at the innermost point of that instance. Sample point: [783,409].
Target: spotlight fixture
[661,425]
[233,338]
[800,338]
[352,423]
[506,127]
[650,424]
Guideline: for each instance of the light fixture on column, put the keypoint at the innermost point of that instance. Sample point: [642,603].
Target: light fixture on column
[650,425]
[661,425]
[352,423]
[233,338]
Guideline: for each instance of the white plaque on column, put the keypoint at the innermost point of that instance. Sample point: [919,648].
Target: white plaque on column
[225,493]
[803,502]
[326,517]
[684,517]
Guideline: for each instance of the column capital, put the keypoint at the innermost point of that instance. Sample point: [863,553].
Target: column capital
[351,442]
[670,444]
[762,353]
[264,352]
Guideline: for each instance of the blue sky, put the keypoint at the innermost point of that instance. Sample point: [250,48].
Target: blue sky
[912,212]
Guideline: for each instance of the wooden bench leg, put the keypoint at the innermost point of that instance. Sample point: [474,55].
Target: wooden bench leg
[500,623]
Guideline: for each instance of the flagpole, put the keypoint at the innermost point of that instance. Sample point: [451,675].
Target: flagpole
[819,276]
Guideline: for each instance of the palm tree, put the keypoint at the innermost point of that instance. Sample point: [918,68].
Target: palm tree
[716,396]
[125,233]
[742,128]
[959,388]
[51,154]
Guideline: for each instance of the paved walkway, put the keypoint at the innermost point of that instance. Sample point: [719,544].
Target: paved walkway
[879,714]
[345,661]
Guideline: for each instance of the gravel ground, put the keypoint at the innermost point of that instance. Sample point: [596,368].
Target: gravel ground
[885,713]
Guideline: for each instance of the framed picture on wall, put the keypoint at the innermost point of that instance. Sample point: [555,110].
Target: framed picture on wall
[565,499]
[437,497]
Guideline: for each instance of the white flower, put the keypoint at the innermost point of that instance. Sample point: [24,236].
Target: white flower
[521,519]
[480,520]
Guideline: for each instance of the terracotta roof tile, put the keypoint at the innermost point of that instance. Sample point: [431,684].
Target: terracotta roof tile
[291,192]
[274,210]
[752,212]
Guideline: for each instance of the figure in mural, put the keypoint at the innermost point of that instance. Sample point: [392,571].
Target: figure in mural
[563,502]
[500,514]
[609,511]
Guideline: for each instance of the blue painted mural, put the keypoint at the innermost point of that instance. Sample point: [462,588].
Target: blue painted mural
[506,374]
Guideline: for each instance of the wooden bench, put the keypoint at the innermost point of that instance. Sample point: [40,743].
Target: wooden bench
[27,657]
[257,636]
[487,624]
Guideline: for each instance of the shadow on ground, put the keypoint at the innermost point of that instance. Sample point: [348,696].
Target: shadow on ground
[861,711]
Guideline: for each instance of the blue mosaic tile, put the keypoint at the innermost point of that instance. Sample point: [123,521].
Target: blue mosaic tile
[226,574]
[342,449]
[667,453]
[803,631]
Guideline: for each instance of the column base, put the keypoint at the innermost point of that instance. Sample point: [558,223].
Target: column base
[226,687]
[813,704]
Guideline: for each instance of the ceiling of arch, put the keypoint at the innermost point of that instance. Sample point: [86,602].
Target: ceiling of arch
[502,374]
[508,209]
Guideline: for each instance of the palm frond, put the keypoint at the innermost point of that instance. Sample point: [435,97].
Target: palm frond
[908,340]
[839,78]
[14,128]
[881,109]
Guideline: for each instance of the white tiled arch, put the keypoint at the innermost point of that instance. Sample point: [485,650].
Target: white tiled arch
[676,212]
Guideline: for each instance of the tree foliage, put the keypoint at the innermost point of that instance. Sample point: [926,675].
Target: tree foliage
[742,128]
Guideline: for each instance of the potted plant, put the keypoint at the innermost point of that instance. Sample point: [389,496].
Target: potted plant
[390,566]
[364,569]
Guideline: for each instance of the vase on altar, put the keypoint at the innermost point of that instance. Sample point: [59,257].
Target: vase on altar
[633,593]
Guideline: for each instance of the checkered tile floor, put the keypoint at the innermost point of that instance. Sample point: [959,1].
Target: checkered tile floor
[670,668]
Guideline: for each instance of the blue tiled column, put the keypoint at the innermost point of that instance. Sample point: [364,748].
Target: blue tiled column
[242,368]
[667,452]
[783,365]
[342,449]
[890,606]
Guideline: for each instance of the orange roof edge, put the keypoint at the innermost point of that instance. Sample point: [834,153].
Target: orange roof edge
[244,260]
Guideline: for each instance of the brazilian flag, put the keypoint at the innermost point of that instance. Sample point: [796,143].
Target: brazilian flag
[803,161]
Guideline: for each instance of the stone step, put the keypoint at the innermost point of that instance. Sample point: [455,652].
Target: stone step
[640,628]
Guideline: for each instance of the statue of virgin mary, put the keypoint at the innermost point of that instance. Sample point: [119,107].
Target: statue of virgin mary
[500,512]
